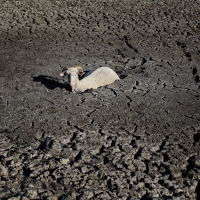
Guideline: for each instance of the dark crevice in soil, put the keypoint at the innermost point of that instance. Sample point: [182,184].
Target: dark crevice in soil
[197,190]
[197,79]
[138,154]
[194,71]
[105,160]
[46,144]
[73,137]
[165,157]
[197,137]
[145,197]
[27,172]
[78,156]
[189,167]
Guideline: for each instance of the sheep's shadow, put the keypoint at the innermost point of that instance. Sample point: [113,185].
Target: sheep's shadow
[50,82]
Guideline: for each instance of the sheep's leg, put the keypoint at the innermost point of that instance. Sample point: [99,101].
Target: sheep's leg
[74,91]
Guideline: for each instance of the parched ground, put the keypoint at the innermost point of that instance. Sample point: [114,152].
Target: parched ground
[138,138]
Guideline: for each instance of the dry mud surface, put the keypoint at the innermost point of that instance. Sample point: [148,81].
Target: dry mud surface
[137,138]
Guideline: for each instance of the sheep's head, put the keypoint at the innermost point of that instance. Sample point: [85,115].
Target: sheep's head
[73,74]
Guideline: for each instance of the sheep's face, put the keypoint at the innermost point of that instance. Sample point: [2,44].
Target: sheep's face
[72,75]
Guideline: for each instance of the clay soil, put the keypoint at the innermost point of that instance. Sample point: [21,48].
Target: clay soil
[135,139]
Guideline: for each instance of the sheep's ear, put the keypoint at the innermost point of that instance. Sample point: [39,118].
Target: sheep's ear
[65,68]
[64,71]
[81,73]
[79,68]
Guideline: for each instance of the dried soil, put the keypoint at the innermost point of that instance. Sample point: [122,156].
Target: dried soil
[137,138]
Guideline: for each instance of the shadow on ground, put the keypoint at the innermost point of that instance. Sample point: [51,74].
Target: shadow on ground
[50,82]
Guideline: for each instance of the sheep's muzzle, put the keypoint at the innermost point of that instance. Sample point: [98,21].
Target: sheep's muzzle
[71,80]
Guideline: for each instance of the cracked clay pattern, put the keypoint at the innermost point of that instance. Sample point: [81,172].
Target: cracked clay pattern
[137,138]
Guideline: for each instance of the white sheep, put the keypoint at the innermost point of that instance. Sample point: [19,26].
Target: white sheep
[81,81]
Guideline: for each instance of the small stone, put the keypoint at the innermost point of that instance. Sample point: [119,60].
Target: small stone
[25,198]
[46,173]
[3,171]
[14,198]
[65,161]
[32,193]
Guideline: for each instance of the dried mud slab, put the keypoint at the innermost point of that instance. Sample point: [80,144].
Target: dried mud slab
[137,138]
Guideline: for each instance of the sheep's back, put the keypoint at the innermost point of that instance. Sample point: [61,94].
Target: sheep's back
[99,77]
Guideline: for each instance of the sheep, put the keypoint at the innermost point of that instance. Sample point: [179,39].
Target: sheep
[81,81]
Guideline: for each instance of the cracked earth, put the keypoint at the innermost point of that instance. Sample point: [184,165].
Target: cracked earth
[137,138]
